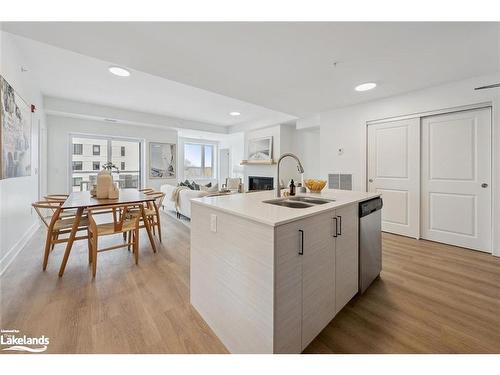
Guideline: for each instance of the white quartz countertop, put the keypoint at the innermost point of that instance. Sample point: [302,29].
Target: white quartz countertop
[252,207]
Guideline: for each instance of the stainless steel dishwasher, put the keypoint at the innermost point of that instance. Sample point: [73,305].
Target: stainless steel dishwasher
[370,242]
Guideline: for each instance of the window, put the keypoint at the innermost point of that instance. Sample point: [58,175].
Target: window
[77,181]
[77,165]
[77,149]
[198,160]
[95,152]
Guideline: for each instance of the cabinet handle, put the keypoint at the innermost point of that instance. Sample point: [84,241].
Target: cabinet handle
[340,226]
[301,248]
[335,229]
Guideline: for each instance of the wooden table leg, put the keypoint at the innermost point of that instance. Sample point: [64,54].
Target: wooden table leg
[148,228]
[71,239]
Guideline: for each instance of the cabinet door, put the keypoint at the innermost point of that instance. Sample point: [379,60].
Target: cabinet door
[288,289]
[346,255]
[318,275]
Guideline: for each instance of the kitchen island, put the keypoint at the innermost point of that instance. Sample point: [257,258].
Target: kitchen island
[268,278]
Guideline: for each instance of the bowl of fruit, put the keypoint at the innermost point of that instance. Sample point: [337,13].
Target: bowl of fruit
[315,186]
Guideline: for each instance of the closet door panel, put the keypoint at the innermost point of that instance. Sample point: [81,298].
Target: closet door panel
[394,171]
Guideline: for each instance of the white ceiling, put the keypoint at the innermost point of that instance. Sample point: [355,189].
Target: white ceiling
[69,75]
[287,67]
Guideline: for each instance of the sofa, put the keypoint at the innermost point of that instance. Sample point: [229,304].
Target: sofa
[184,199]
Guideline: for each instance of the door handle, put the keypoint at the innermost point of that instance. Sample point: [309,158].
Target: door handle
[335,230]
[370,180]
[484,185]
[301,247]
[340,226]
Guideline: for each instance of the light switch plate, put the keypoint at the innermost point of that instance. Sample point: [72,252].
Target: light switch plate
[213,222]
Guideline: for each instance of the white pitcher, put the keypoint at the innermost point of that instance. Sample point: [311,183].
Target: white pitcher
[114,192]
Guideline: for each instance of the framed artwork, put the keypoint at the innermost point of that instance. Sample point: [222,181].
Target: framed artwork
[162,160]
[260,148]
[15,133]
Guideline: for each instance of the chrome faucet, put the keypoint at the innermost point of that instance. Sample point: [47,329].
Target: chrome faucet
[299,168]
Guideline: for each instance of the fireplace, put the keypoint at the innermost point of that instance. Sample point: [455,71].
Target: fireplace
[260,183]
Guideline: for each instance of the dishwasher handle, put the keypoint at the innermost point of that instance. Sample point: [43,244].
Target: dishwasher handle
[370,206]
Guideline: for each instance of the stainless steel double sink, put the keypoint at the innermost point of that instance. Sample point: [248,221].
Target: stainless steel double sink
[298,202]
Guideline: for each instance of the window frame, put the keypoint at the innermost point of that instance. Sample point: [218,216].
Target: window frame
[76,179]
[93,150]
[81,148]
[122,151]
[108,138]
[98,165]
[203,142]
[73,165]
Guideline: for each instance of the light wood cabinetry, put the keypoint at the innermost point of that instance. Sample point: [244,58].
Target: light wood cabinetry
[346,255]
[316,274]
[266,289]
[304,281]
[318,277]
[232,279]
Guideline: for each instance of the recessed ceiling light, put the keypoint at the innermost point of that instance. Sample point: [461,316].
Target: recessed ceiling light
[234,113]
[365,86]
[117,71]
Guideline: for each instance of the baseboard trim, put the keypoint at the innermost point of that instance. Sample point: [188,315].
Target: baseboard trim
[16,249]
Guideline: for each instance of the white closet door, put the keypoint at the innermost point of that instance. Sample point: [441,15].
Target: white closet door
[394,171]
[456,179]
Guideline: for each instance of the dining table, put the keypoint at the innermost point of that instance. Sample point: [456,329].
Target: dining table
[82,200]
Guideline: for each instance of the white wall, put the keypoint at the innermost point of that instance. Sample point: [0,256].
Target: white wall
[235,142]
[17,219]
[307,147]
[59,129]
[346,128]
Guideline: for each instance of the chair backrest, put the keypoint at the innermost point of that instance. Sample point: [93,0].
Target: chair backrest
[56,197]
[233,183]
[52,210]
[158,196]
[120,213]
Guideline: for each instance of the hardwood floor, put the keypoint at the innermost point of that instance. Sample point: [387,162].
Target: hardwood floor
[126,309]
[431,298]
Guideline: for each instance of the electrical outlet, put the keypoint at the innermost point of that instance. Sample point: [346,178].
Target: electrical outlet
[213,223]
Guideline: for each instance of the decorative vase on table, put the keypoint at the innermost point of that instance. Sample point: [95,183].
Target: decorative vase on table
[104,183]
[113,192]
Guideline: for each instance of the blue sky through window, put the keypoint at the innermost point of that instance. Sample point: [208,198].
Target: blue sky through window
[192,154]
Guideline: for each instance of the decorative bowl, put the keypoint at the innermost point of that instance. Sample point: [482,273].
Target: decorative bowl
[315,186]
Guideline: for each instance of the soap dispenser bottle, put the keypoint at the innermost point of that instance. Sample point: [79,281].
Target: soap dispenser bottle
[292,188]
